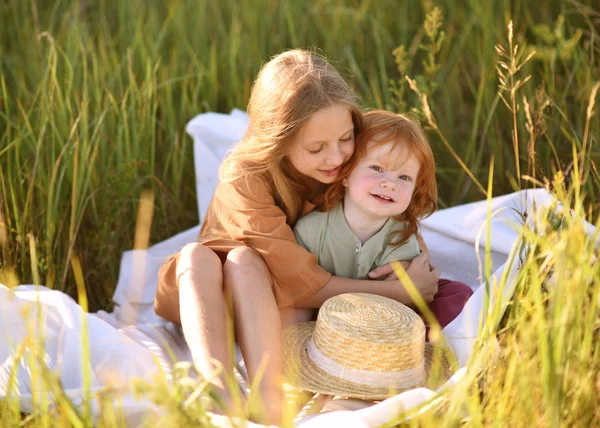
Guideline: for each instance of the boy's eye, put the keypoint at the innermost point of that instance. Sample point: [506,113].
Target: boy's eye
[405,177]
[376,168]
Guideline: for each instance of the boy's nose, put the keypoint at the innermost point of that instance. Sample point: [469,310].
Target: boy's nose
[387,183]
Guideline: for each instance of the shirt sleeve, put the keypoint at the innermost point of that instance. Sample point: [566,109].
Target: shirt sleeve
[405,252]
[249,214]
[303,237]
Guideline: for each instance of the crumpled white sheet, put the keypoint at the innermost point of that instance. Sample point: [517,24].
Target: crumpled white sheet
[132,342]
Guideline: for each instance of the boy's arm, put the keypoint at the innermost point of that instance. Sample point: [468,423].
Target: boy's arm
[421,242]
[403,254]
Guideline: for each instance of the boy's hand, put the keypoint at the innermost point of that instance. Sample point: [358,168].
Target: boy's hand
[386,271]
[425,276]
[392,276]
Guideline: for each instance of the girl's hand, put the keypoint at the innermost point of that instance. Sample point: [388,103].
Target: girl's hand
[386,271]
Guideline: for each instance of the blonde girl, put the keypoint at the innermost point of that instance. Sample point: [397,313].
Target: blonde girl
[303,119]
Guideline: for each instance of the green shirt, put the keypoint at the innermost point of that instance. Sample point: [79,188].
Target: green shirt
[328,236]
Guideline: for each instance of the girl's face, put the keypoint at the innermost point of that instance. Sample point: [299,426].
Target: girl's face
[324,143]
[381,185]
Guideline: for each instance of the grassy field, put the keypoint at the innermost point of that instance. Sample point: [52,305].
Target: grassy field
[95,96]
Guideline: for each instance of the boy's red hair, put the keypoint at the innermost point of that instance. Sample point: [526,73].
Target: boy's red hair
[381,127]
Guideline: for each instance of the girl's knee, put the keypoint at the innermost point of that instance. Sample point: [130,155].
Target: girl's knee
[196,252]
[244,270]
[244,255]
[196,256]
[244,260]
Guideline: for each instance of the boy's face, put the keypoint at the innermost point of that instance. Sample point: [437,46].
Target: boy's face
[324,144]
[382,183]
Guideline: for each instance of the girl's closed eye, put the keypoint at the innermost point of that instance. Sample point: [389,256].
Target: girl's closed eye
[314,152]
[348,138]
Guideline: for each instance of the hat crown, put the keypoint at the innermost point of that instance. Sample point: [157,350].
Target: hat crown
[369,332]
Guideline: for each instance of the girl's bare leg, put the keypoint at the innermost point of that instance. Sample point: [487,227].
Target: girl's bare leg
[291,316]
[258,326]
[204,314]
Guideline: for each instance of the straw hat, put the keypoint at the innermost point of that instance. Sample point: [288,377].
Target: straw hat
[362,345]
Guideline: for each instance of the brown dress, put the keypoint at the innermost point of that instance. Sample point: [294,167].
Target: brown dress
[246,214]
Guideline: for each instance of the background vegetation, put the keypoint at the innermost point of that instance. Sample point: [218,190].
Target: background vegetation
[95,96]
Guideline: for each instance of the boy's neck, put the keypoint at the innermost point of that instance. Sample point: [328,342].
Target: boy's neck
[363,227]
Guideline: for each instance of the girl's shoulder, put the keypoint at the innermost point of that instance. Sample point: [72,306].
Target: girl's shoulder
[255,187]
[312,220]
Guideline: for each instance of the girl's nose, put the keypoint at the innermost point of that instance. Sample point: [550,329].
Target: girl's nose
[336,157]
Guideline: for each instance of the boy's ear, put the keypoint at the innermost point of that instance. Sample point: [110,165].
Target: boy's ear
[345,182]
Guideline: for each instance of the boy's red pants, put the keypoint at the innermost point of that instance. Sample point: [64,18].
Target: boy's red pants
[448,301]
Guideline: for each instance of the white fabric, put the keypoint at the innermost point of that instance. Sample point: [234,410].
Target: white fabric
[133,342]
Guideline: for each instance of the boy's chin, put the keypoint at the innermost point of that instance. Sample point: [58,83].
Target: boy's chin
[375,214]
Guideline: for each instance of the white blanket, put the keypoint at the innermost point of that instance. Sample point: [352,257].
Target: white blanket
[132,341]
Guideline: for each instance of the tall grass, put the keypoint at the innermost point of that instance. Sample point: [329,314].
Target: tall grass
[96,95]
[94,98]
[546,369]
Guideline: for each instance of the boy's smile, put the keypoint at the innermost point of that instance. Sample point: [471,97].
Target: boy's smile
[383,198]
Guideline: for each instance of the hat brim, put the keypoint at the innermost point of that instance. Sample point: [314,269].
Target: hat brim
[301,372]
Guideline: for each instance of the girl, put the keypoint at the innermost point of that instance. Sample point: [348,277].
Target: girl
[303,118]
[372,211]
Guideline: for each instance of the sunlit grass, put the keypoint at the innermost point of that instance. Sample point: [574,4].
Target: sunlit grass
[94,98]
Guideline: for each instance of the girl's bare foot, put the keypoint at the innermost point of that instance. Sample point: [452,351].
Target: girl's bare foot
[265,406]
[224,402]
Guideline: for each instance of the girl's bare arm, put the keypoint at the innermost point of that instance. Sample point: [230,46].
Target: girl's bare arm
[424,278]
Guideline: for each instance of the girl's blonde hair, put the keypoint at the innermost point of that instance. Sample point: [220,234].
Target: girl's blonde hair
[287,91]
[381,127]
